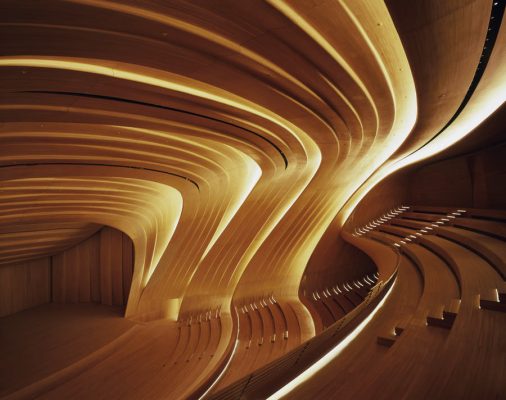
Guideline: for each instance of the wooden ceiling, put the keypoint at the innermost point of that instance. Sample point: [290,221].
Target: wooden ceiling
[225,138]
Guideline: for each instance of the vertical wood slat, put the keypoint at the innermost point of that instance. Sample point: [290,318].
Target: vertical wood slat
[71,265]
[105,266]
[116,267]
[58,279]
[97,270]
[84,261]
[39,292]
[94,252]
[128,260]
[24,285]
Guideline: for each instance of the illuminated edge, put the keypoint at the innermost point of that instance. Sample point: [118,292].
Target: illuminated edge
[225,368]
[327,358]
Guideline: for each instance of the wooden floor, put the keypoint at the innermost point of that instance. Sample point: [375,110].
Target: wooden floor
[58,351]
[39,342]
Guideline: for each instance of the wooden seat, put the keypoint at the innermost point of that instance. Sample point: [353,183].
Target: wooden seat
[491,249]
[281,325]
[453,272]
[447,315]
[353,297]
[387,341]
[345,303]
[487,214]
[395,230]
[270,323]
[334,308]
[183,342]
[491,228]
[408,223]
[433,209]
[382,238]
[338,305]
[324,312]
[362,291]
[421,216]
[494,299]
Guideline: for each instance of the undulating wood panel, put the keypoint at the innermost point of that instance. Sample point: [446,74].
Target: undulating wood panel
[242,199]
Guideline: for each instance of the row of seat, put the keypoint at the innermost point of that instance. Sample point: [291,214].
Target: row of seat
[460,258]
[441,323]
[331,303]
[198,336]
[394,212]
[481,231]
[268,328]
[445,275]
[262,382]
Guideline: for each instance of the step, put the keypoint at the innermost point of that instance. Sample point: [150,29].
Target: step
[502,292]
[398,330]
[444,317]
[493,300]
[452,309]
[492,305]
[387,341]
[440,322]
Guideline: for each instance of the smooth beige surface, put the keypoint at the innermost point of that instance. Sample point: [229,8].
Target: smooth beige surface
[196,161]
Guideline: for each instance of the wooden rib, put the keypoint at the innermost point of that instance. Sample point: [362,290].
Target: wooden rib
[225,142]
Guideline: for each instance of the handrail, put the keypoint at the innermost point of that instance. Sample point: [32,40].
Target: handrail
[228,354]
[269,378]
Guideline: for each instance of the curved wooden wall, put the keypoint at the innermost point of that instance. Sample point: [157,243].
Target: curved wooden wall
[226,143]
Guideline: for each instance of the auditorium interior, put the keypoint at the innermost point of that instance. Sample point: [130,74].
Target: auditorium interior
[252,199]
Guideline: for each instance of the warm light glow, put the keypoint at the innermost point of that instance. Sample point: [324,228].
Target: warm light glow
[480,107]
[403,93]
[243,188]
[198,31]
[169,81]
[225,368]
[173,206]
[331,355]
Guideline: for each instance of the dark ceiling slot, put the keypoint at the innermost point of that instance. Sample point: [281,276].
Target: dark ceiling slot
[103,165]
[142,103]
[494,24]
